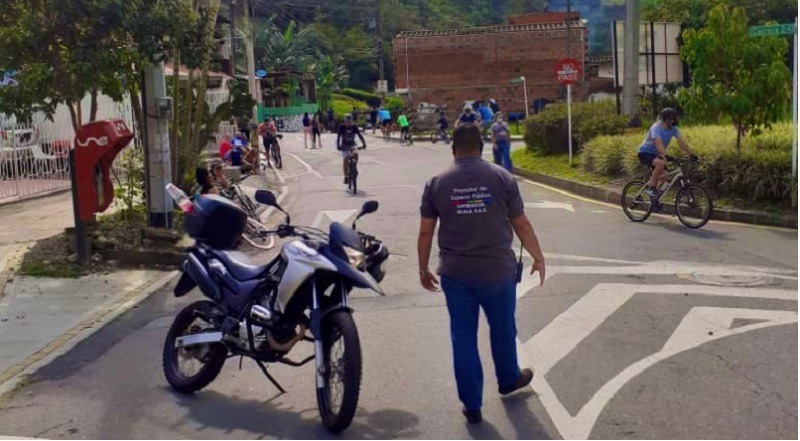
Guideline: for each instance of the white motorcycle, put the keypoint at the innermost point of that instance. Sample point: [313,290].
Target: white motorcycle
[262,312]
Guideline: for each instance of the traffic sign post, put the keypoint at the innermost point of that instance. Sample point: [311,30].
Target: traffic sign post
[785,29]
[569,72]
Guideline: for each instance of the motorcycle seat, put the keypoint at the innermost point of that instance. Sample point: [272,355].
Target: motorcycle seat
[239,265]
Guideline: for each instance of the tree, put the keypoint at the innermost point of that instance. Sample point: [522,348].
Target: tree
[329,73]
[735,75]
[291,49]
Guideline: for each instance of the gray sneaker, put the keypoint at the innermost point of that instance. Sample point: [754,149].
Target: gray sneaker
[652,192]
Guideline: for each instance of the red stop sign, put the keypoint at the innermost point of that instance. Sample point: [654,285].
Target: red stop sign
[569,71]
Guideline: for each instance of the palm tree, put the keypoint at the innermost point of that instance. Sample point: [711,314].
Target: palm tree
[293,49]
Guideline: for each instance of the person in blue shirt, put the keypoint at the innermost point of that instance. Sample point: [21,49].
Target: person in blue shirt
[386,121]
[653,150]
[487,116]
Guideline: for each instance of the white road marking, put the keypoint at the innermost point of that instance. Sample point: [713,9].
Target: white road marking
[340,216]
[565,332]
[599,211]
[548,204]
[308,167]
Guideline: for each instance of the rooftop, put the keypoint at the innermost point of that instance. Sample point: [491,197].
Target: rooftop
[541,27]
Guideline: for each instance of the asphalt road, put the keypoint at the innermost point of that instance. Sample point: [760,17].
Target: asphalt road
[641,331]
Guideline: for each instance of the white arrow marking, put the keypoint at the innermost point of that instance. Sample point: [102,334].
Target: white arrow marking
[548,204]
[340,216]
[572,326]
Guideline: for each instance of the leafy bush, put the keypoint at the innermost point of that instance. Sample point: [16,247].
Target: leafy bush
[548,133]
[372,99]
[343,104]
[393,103]
[762,172]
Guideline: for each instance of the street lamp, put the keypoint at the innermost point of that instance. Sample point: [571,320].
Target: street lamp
[521,79]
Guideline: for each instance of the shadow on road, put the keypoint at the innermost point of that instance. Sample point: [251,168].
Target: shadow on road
[700,233]
[525,422]
[266,419]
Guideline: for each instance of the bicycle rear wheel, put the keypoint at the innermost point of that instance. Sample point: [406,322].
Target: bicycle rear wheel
[693,206]
[636,203]
[434,137]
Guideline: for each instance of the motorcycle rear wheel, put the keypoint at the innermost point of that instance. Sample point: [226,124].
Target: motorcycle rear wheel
[338,400]
[211,357]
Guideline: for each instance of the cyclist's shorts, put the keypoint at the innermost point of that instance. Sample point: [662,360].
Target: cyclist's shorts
[386,122]
[646,159]
[346,152]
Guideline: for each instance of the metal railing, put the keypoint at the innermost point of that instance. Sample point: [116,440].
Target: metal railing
[32,162]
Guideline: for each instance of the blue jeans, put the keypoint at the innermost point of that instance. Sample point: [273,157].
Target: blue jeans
[502,155]
[498,302]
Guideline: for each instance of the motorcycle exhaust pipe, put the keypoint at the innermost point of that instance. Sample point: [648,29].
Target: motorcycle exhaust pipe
[198,339]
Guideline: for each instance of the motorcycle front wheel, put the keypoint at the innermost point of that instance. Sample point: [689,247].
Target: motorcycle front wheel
[190,369]
[338,400]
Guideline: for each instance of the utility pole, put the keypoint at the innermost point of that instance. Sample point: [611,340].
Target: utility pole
[233,38]
[251,58]
[569,30]
[630,87]
[380,44]
[157,108]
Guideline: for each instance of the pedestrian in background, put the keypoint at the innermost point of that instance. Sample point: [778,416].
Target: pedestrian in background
[373,118]
[331,126]
[316,134]
[306,129]
[501,143]
[478,207]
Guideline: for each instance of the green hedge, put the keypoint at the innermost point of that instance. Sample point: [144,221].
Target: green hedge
[762,172]
[547,132]
[372,99]
[343,104]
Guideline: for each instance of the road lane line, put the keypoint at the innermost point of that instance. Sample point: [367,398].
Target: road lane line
[308,167]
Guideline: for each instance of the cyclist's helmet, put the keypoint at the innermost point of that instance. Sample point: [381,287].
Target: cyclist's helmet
[669,114]
[348,118]
[468,108]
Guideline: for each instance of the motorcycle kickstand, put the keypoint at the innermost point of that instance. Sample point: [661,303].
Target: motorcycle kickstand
[269,377]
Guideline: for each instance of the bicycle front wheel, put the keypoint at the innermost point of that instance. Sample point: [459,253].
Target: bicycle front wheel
[353,177]
[693,206]
[254,234]
[636,203]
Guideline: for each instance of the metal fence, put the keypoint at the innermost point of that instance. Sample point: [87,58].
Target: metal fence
[34,157]
[32,162]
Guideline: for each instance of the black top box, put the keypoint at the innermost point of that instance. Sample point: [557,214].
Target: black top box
[216,221]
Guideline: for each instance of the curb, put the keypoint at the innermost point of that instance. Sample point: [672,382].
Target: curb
[614,197]
[36,196]
[11,265]
[12,377]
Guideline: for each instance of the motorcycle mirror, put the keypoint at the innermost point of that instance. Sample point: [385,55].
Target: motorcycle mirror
[266,197]
[369,207]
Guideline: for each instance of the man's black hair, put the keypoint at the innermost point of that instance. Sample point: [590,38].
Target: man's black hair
[467,139]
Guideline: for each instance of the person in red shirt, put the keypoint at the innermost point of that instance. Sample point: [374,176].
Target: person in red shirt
[224,146]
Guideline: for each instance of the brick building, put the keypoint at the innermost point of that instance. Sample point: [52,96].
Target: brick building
[454,65]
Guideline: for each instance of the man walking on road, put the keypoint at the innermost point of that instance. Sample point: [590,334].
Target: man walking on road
[478,205]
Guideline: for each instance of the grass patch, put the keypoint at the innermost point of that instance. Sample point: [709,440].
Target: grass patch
[555,165]
[43,268]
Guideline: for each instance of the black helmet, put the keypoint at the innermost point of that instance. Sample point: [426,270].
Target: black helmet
[376,256]
[670,114]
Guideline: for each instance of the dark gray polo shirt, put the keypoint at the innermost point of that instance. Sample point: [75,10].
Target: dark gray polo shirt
[474,201]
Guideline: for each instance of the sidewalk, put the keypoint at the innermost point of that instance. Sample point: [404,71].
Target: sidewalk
[40,318]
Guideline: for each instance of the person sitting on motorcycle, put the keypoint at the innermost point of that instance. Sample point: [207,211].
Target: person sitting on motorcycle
[653,150]
[346,142]
[402,121]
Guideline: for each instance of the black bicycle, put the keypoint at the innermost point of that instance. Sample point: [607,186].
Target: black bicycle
[408,138]
[274,147]
[254,228]
[440,135]
[693,205]
[352,170]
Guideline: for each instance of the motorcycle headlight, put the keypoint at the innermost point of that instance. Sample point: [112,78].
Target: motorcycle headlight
[355,257]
